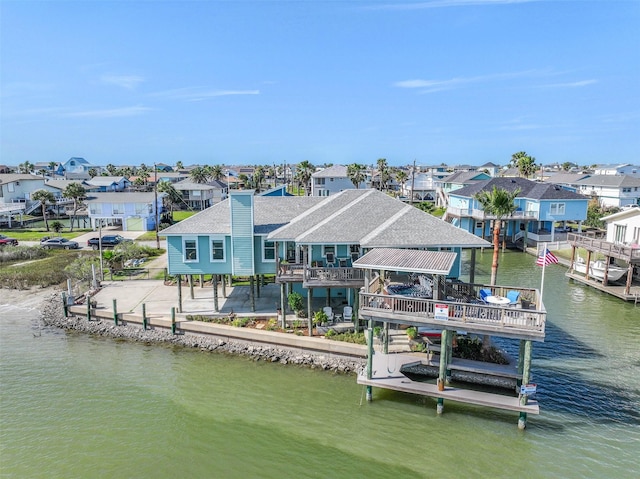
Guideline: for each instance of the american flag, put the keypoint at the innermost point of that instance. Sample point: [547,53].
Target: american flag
[547,257]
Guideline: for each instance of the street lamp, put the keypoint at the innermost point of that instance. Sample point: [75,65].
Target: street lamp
[155,205]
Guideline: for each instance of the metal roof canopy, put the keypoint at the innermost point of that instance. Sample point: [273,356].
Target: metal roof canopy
[407,260]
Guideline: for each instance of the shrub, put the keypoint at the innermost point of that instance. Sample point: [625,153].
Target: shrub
[320,317]
[412,332]
[296,301]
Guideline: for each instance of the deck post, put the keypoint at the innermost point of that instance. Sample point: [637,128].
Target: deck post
[309,311]
[328,297]
[258,284]
[223,280]
[443,360]
[191,294]
[115,311]
[520,364]
[214,282]
[370,359]
[144,316]
[179,278]
[88,308]
[447,377]
[526,374]
[173,320]
[385,345]
[356,313]
[283,303]
[472,267]
[252,296]
[201,280]
[627,286]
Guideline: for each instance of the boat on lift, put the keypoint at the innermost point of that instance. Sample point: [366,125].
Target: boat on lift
[597,269]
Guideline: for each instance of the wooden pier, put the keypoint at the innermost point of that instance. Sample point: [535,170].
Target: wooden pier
[619,291]
[382,378]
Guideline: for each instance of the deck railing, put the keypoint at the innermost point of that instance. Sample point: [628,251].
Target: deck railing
[462,315]
[625,252]
[334,274]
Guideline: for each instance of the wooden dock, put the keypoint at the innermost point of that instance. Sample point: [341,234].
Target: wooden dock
[615,290]
[382,378]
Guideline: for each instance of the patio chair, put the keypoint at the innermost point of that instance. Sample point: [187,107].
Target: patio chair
[329,312]
[347,313]
[331,259]
[513,297]
[484,293]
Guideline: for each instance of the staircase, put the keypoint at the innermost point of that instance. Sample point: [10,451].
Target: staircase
[32,207]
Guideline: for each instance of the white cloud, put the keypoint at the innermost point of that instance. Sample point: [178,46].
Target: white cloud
[110,113]
[576,84]
[200,94]
[123,81]
[430,86]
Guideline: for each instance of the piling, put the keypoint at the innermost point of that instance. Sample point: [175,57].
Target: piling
[173,320]
[115,312]
[88,308]
[65,306]
[144,316]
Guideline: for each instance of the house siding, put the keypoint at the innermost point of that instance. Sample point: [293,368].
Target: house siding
[242,240]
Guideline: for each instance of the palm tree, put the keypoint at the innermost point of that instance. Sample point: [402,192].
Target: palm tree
[93,172]
[304,170]
[401,177]
[111,169]
[173,196]
[356,173]
[45,198]
[526,164]
[198,175]
[383,173]
[26,167]
[216,172]
[499,203]
[52,167]
[179,165]
[75,192]
[258,178]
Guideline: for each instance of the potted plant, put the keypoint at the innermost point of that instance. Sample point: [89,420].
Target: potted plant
[320,318]
[296,302]
[412,332]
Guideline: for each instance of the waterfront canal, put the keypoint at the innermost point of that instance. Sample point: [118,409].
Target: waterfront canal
[77,406]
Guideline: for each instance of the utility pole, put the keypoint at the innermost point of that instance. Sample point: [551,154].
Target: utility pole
[155,203]
[413,179]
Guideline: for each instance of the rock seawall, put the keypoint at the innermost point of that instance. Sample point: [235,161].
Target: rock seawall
[53,315]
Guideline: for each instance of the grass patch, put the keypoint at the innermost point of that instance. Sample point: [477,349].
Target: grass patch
[40,270]
[183,215]
[349,337]
[38,234]
[148,236]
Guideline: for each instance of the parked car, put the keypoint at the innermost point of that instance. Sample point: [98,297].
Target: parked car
[6,240]
[108,241]
[60,243]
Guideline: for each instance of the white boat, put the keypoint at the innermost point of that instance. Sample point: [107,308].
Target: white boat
[597,269]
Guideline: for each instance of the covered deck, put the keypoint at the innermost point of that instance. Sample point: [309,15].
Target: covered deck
[449,306]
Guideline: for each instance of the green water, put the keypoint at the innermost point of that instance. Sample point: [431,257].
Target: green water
[77,406]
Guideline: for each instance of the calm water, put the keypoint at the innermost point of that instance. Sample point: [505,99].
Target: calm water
[76,406]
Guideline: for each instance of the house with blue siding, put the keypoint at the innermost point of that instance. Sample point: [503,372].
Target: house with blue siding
[132,211]
[539,207]
[308,242]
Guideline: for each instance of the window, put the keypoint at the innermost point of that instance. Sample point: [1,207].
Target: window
[142,208]
[556,209]
[479,225]
[95,208]
[331,249]
[319,181]
[190,248]
[620,233]
[117,209]
[268,250]
[217,249]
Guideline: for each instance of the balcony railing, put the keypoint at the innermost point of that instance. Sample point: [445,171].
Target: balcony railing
[334,274]
[474,317]
[627,253]
[481,215]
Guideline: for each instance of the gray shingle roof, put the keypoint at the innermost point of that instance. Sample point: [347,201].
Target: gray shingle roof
[366,217]
[335,171]
[122,197]
[610,180]
[528,189]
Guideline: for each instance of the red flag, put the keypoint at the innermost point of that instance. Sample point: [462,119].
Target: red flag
[546,258]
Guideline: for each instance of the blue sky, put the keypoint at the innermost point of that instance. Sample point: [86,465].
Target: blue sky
[268,82]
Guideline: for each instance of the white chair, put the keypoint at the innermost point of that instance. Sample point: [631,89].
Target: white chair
[347,313]
[329,312]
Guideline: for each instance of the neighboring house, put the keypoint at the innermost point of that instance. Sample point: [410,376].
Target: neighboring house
[332,180]
[195,196]
[620,169]
[133,211]
[624,227]
[250,235]
[539,207]
[420,187]
[491,168]
[171,176]
[611,190]
[280,190]
[18,187]
[4,169]
[458,180]
[77,176]
[568,181]
[163,167]
[77,165]
[109,183]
